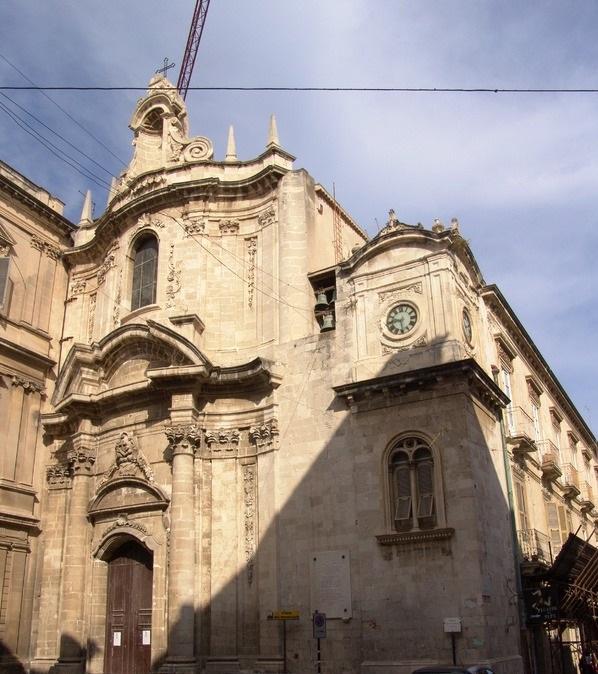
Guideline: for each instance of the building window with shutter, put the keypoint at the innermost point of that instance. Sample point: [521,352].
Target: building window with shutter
[4,283]
[559,525]
[412,485]
[145,272]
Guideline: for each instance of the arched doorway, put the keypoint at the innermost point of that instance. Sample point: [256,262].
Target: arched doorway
[129,610]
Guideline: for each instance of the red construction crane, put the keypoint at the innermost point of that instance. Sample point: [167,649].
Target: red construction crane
[197,24]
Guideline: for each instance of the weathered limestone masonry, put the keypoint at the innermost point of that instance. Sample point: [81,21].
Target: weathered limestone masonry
[257,409]
[33,281]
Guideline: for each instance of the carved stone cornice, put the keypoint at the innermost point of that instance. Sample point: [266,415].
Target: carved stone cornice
[59,476]
[267,217]
[51,251]
[183,438]
[81,460]
[226,439]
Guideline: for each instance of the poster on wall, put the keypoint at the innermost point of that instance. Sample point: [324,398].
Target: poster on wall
[330,577]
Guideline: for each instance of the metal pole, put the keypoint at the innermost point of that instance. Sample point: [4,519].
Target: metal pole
[454,644]
[319,658]
[284,644]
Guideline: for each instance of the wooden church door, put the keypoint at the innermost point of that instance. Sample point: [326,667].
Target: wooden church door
[129,611]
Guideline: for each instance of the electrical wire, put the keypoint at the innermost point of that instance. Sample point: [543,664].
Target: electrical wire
[75,121]
[65,140]
[433,90]
[54,149]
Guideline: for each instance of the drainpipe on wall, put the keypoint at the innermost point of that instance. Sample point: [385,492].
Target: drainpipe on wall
[511,502]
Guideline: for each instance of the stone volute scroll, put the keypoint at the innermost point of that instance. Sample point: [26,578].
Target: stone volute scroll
[129,461]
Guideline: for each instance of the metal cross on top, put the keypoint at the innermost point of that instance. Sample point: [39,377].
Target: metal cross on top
[166,67]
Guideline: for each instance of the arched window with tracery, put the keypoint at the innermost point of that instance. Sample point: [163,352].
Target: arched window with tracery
[145,271]
[412,488]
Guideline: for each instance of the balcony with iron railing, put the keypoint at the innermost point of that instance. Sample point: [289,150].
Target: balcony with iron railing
[519,429]
[549,460]
[570,481]
[586,497]
[534,547]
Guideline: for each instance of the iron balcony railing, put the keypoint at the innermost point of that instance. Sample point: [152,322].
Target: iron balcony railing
[534,546]
[547,447]
[586,496]
[520,429]
[570,480]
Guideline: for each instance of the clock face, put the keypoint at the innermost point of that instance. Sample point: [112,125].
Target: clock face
[467,329]
[401,319]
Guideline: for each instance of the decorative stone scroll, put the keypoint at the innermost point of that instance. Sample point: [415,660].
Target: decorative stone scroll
[59,476]
[251,246]
[228,226]
[225,439]
[173,278]
[27,385]
[81,460]
[391,348]
[183,438]
[249,502]
[128,462]
[147,220]
[265,436]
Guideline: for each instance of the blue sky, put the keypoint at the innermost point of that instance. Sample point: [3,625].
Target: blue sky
[519,171]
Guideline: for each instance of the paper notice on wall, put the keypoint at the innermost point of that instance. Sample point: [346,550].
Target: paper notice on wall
[116,636]
[145,637]
[330,573]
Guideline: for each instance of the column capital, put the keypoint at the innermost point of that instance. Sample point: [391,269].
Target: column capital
[81,460]
[183,438]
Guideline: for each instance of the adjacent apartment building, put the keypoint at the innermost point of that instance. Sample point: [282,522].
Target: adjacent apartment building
[241,409]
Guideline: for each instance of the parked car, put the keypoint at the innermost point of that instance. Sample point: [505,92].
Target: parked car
[454,669]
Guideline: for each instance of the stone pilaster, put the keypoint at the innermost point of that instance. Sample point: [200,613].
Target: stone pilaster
[183,439]
[72,633]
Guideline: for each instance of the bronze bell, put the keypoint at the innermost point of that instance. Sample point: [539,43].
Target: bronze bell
[321,301]
[327,322]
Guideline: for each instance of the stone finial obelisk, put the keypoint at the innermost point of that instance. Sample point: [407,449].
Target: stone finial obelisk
[273,140]
[231,146]
[87,210]
[111,190]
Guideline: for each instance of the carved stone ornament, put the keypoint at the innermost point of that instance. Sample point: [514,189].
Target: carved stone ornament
[265,435]
[27,385]
[228,226]
[183,438]
[267,217]
[249,501]
[198,149]
[117,301]
[194,225]
[147,220]
[391,348]
[124,521]
[58,476]
[81,460]
[4,249]
[91,316]
[398,293]
[173,278]
[107,264]
[129,461]
[77,287]
[225,439]
[51,251]
[145,184]
[251,244]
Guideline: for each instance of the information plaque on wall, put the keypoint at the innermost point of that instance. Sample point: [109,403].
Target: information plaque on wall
[330,575]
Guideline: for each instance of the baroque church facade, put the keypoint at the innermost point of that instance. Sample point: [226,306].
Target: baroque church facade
[224,405]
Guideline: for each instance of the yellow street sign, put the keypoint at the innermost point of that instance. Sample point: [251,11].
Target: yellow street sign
[285,615]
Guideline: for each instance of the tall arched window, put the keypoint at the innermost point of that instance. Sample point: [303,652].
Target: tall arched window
[411,473]
[145,271]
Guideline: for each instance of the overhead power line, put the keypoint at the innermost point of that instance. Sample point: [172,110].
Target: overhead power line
[433,90]
[34,87]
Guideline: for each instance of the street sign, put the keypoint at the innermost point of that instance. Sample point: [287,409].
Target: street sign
[284,615]
[319,625]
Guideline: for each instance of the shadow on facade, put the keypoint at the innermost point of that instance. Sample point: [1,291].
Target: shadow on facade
[402,583]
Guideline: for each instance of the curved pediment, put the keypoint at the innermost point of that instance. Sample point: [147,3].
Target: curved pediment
[122,358]
[127,495]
